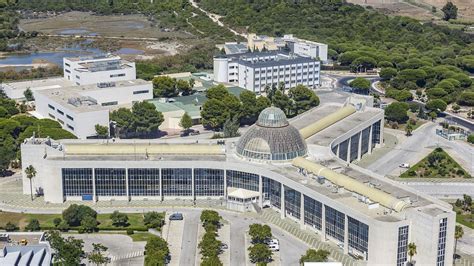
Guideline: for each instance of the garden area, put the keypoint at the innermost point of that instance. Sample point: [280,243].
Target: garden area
[84,220]
[438,164]
[464,209]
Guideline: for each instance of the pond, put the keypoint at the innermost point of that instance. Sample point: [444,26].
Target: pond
[57,57]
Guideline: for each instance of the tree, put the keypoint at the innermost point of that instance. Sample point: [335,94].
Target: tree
[164,86]
[360,84]
[458,233]
[313,255]
[260,253]
[450,11]
[186,122]
[96,256]
[211,261]
[303,99]
[101,131]
[209,245]
[282,101]
[249,110]
[157,251]
[411,251]
[210,217]
[68,251]
[408,129]
[470,138]
[466,98]
[30,172]
[397,112]
[11,227]
[28,95]
[57,221]
[153,220]
[147,118]
[214,113]
[259,233]
[89,224]
[33,225]
[231,128]
[119,219]
[456,108]
[217,92]
[436,105]
[467,202]
[191,82]
[184,87]
[74,214]
[63,226]
[387,73]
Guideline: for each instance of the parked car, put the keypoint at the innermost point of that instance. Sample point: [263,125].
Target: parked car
[274,247]
[272,241]
[404,165]
[176,216]
[194,133]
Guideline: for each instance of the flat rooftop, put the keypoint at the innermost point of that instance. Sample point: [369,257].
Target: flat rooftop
[40,84]
[63,95]
[93,57]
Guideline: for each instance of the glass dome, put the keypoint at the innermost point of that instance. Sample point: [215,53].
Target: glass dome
[272,138]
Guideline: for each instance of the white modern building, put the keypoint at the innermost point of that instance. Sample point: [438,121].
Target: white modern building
[297,168]
[256,71]
[99,68]
[79,108]
[288,42]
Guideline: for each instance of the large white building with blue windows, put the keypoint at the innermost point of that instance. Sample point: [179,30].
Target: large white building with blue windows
[299,167]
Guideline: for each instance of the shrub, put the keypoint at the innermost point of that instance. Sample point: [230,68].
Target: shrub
[11,227]
[74,214]
[130,232]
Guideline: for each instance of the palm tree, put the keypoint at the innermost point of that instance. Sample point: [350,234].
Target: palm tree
[411,251]
[458,233]
[30,172]
[408,129]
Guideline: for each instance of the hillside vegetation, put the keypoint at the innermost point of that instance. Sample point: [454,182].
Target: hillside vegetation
[415,55]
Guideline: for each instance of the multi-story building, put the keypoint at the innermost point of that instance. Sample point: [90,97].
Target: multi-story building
[288,42]
[256,71]
[79,108]
[99,68]
[271,165]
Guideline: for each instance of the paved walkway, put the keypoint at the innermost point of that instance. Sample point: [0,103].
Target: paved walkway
[308,236]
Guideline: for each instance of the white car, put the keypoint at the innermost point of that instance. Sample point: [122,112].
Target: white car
[272,241]
[404,165]
[274,247]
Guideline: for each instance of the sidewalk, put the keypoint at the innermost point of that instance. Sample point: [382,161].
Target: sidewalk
[308,236]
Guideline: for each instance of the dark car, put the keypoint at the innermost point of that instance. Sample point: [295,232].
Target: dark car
[176,216]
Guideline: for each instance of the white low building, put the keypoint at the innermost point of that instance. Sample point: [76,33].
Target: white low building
[256,71]
[100,68]
[79,108]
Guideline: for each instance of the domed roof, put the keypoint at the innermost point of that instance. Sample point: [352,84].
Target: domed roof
[272,117]
[272,138]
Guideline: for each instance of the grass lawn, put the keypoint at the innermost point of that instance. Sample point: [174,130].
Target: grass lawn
[135,220]
[437,164]
[464,219]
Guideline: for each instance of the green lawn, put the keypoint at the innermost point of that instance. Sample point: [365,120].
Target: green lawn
[437,164]
[464,219]
[46,220]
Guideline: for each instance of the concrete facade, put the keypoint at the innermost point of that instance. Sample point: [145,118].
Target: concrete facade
[256,71]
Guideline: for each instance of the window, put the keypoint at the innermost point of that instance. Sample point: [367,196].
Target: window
[209,182]
[110,182]
[67,64]
[292,202]
[117,75]
[313,210]
[443,224]
[52,116]
[70,117]
[77,181]
[144,181]
[141,92]
[109,103]
[51,107]
[358,234]
[59,111]
[335,223]
[61,121]
[402,245]
[67,71]
[77,76]
[177,181]
[243,180]
[354,147]
[70,127]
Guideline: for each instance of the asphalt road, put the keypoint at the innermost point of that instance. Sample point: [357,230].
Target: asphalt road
[419,145]
[189,242]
